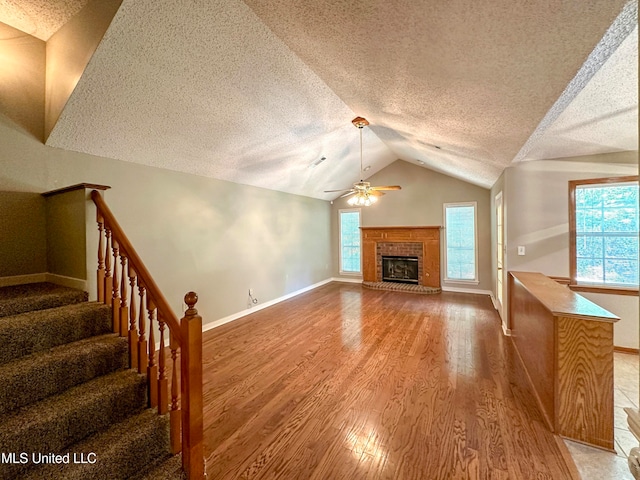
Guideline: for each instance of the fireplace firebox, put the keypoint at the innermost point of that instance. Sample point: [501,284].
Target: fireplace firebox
[400,269]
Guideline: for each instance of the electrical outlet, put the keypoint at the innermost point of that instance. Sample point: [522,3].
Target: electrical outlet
[521,250]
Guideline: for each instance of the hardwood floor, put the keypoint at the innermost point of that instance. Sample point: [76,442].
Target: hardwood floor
[345,382]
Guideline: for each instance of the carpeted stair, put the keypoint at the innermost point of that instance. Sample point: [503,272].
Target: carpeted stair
[169,469]
[67,390]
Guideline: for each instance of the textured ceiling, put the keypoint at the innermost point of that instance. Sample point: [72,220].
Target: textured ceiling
[216,94]
[472,77]
[603,115]
[255,92]
[40,18]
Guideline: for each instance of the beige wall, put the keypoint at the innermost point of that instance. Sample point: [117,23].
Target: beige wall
[66,235]
[37,78]
[23,242]
[22,79]
[420,202]
[537,197]
[214,237]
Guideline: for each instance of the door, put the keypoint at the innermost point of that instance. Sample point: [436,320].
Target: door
[499,252]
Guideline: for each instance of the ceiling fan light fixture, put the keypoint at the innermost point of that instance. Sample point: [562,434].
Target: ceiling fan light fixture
[363,194]
[362,199]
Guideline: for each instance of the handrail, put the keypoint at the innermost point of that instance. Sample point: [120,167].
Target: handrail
[140,268]
[181,396]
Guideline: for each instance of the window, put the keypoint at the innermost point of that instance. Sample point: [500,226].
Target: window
[603,232]
[350,240]
[460,251]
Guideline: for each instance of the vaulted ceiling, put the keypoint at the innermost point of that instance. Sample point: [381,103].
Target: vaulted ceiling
[258,91]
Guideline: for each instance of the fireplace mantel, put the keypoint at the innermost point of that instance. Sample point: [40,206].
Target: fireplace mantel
[429,237]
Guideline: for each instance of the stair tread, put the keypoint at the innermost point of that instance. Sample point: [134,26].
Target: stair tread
[120,451]
[166,469]
[30,332]
[39,375]
[17,299]
[72,398]
[55,423]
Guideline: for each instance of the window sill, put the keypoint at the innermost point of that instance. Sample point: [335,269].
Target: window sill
[462,282]
[604,289]
[351,274]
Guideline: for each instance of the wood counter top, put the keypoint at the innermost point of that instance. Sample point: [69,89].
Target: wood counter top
[561,301]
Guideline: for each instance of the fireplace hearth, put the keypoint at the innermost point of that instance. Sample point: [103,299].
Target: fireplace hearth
[400,269]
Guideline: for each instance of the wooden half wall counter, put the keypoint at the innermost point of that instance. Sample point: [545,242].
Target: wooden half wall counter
[565,343]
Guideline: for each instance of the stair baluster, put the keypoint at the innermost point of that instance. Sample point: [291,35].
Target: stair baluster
[115,292]
[107,265]
[133,330]
[152,369]
[124,308]
[174,417]
[163,388]
[142,340]
[100,279]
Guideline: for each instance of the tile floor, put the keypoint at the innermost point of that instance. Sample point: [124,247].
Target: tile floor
[597,464]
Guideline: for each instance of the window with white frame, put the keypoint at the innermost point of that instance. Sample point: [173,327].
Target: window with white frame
[350,240]
[460,250]
[604,232]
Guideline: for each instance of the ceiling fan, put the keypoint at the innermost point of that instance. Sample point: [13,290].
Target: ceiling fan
[362,193]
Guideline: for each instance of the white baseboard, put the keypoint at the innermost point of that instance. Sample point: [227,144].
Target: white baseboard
[346,280]
[494,301]
[22,279]
[257,308]
[446,288]
[70,282]
[44,277]
[505,330]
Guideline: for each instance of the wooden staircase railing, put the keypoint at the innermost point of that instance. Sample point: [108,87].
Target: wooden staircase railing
[182,398]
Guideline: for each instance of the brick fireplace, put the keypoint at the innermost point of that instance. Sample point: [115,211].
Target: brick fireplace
[420,242]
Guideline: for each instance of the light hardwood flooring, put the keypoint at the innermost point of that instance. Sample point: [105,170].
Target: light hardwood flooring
[345,382]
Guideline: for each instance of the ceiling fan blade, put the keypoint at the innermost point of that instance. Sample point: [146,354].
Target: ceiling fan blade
[388,187]
[347,194]
[376,193]
[341,190]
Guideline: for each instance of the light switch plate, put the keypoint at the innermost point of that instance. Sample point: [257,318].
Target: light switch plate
[521,250]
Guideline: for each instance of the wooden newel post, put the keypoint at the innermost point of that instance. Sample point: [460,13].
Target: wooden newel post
[191,390]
